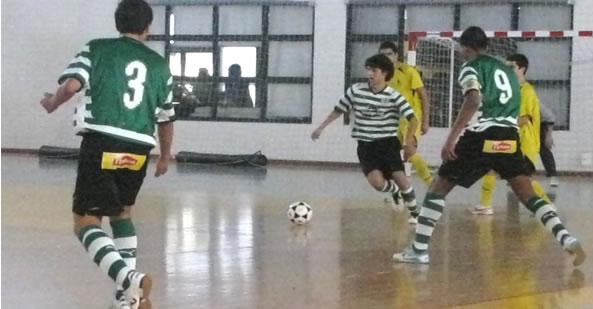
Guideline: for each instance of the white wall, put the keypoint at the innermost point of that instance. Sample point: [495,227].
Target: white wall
[36,49]
[39,38]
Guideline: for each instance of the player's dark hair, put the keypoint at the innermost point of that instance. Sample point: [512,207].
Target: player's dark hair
[388,45]
[520,60]
[133,16]
[474,37]
[382,63]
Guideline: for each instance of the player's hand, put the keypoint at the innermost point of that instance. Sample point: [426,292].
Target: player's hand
[162,166]
[316,134]
[448,152]
[48,103]
[409,151]
[424,128]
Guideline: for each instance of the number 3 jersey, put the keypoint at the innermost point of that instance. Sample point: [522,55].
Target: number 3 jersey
[499,88]
[127,89]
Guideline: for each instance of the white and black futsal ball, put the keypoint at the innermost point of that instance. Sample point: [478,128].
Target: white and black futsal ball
[299,213]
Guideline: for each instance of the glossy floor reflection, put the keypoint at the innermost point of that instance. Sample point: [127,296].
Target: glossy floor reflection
[218,237]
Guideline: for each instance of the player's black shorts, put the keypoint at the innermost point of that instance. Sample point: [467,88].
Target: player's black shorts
[382,154]
[496,149]
[110,174]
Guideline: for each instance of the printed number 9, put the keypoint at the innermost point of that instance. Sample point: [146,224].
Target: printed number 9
[502,83]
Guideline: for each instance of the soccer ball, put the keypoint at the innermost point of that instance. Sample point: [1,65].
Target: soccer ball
[299,213]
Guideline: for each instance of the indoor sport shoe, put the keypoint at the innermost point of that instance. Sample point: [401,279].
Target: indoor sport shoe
[573,246]
[138,290]
[411,256]
[482,210]
[119,301]
[413,220]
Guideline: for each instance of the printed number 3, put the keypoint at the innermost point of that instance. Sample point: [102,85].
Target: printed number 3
[502,83]
[135,83]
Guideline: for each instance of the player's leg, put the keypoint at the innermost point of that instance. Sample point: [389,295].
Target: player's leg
[371,157]
[421,168]
[487,195]
[380,183]
[430,213]
[128,184]
[539,190]
[418,161]
[464,171]
[95,197]
[393,166]
[523,188]
[124,236]
[408,195]
[516,168]
[101,248]
[548,157]
[126,242]
[97,194]
[128,181]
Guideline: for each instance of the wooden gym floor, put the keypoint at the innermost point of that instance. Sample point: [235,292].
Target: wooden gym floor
[218,237]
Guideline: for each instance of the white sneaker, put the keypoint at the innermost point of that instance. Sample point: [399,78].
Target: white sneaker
[482,210]
[410,256]
[572,246]
[119,301]
[554,181]
[138,291]
[413,220]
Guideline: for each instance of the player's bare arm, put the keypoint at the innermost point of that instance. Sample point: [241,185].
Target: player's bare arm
[330,118]
[468,109]
[165,140]
[425,99]
[523,120]
[67,90]
[410,146]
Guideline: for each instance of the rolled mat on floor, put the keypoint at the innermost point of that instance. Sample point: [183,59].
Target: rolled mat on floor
[256,159]
[58,152]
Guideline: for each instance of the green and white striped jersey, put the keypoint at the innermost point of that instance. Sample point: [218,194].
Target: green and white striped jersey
[376,115]
[127,89]
[500,90]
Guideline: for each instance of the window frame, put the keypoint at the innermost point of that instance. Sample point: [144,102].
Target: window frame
[402,36]
[262,79]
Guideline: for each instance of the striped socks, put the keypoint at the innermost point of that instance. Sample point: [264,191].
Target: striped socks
[546,214]
[430,213]
[101,249]
[390,186]
[410,200]
[126,242]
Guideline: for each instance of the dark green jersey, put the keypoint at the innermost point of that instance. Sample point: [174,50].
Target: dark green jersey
[500,90]
[127,89]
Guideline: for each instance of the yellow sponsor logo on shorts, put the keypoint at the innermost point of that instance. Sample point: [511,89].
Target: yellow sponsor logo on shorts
[500,146]
[114,161]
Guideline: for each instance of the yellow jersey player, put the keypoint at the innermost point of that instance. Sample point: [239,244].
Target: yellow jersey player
[529,131]
[407,81]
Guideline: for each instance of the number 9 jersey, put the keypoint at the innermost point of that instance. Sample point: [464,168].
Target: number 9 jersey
[127,89]
[499,88]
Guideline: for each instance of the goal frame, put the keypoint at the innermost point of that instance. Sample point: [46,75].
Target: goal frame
[414,36]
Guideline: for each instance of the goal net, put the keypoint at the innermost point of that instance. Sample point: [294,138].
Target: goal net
[556,69]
